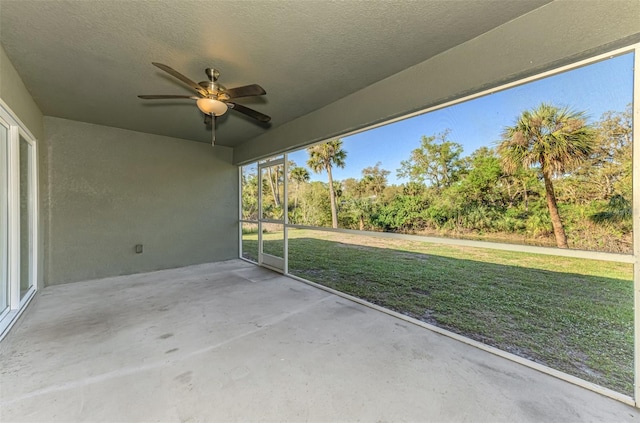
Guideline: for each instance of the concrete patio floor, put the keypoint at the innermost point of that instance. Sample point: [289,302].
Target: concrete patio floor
[234,342]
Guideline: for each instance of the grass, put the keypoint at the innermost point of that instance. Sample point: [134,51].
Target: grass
[575,315]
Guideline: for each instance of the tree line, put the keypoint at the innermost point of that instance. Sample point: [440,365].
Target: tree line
[552,179]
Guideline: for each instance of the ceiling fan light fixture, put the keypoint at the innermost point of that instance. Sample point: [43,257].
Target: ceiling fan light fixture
[211,106]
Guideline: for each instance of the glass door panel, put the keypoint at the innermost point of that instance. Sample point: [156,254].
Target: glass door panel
[272,243]
[250,241]
[272,184]
[271,216]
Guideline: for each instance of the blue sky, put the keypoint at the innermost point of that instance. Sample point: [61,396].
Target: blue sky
[595,89]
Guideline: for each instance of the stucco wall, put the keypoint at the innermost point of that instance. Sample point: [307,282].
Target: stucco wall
[14,93]
[555,34]
[16,96]
[111,189]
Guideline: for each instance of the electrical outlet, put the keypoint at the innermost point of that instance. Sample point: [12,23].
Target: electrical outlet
[138,248]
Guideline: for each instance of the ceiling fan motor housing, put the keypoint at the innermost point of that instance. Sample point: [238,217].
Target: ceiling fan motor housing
[215,90]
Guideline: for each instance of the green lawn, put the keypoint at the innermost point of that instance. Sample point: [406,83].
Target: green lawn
[574,315]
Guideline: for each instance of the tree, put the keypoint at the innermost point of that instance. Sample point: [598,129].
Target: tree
[315,209]
[436,161]
[360,209]
[480,184]
[554,140]
[374,179]
[273,179]
[249,193]
[519,185]
[362,196]
[352,188]
[324,157]
[298,175]
[608,171]
[618,209]
[404,213]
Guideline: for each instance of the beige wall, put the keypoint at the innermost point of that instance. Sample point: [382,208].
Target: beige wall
[555,34]
[111,189]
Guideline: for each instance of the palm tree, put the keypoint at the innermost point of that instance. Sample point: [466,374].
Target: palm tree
[361,209]
[324,157]
[298,175]
[275,183]
[554,141]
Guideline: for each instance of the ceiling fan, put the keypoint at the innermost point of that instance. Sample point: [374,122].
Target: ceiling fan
[213,98]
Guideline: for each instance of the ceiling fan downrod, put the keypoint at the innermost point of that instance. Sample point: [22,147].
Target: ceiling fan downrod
[213,130]
[212,74]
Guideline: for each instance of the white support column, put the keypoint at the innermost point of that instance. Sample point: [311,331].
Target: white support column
[239,211]
[636,221]
[259,170]
[285,229]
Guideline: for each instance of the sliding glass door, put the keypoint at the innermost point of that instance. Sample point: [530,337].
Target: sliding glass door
[4,224]
[18,218]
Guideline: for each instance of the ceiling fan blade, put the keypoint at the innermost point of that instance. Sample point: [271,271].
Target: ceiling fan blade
[181,77]
[160,97]
[245,91]
[249,112]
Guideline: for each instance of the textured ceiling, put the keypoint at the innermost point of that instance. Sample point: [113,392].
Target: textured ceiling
[88,60]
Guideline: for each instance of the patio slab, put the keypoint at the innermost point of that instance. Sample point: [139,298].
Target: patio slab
[234,342]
